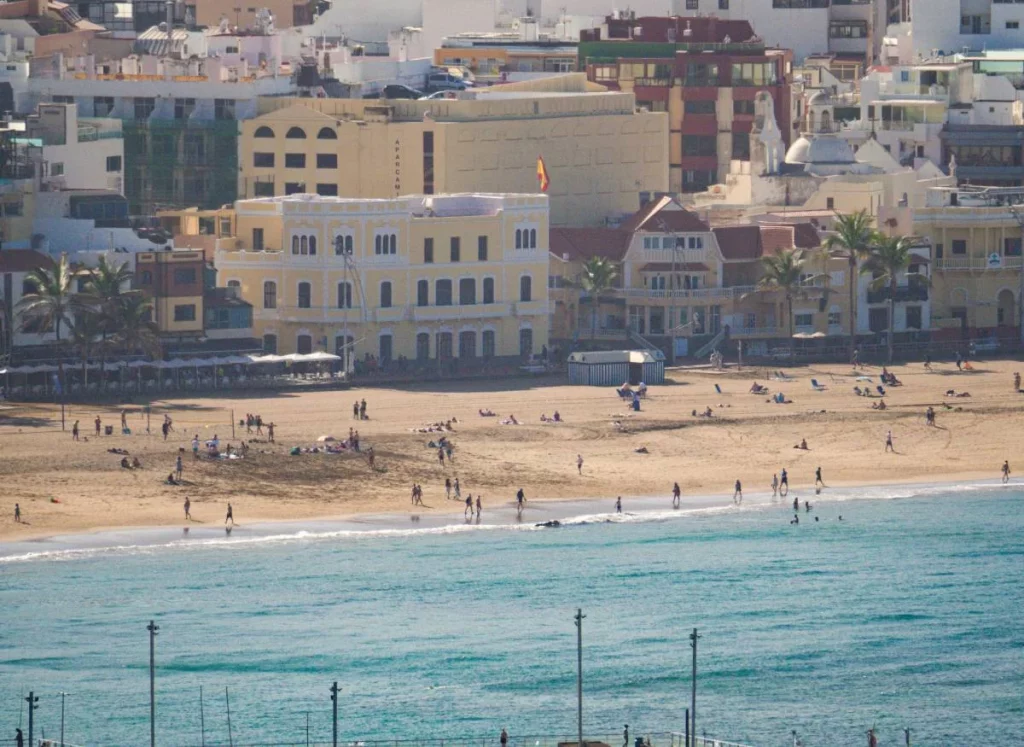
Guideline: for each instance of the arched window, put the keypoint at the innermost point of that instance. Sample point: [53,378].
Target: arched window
[296,133]
[295,244]
[525,288]
[305,295]
[378,241]
[304,244]
[312,245]
[393,240]
[327,133]
[519,238]
[269,294]
[533,238]
[342,245]
[344,295]
[263,132]
[234,284]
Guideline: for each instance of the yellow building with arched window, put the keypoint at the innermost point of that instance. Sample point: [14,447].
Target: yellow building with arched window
[420,277]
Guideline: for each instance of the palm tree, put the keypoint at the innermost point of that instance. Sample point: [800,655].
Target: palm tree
[86,327]
[51,304]
[888,261]
[852,240]
[782,273]
[135,328]
[105,290]
[598,275]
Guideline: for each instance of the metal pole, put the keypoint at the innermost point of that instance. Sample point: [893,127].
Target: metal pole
[62,718]
[693,691]
[686,743]
[227,700]
[232,423]
[906,733]
[32,700]
[307,728]
[579,674]
[202,719]
[152,628]
[334,705]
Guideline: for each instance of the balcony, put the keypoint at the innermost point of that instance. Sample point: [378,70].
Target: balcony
[755,333]
[993,261]
[734,292]
[904,294]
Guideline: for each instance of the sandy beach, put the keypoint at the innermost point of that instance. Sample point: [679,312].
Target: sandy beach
[66,487]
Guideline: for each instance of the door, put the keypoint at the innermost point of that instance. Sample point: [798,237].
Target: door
[444,345]
[467,344]
[385,344]
[526,342]
[636,373]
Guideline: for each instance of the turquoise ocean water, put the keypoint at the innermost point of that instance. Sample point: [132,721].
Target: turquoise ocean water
[907,613]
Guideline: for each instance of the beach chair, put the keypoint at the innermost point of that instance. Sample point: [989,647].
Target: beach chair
[816,386]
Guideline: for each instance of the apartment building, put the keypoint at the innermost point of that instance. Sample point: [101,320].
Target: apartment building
[952,26]
[76,153]
[847,29]
[705,74]
[975,233]
[599,151]
[179,117]
[422,277]
[174,280]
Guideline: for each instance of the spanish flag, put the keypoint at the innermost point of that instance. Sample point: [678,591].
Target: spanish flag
[542,174]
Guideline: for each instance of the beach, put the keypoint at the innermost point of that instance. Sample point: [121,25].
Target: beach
[70,487]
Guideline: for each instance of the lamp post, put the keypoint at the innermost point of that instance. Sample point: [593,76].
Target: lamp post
[33,704]
[693,684]
[152,628]
[334,703]
[62,696]
[579,674]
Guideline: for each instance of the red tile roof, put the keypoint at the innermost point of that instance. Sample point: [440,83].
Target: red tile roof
[678,266]
[585,243]
[739,243]
[664,214]
[23,260]
[776,238]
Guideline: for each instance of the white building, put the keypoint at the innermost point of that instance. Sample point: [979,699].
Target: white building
[76,153]
[955,25]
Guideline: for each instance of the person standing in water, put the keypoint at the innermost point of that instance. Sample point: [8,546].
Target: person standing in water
[520,500]
[796,504]
[775,485]
[468,513]
[618,505]
[1006,471]
[675,495]
[737,493]
[784,483]
[479,507]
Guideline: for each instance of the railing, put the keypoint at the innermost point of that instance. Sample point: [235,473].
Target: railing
[710,345]
[89,136]
[735,291]
[904,294]
[753,332]
[978,263]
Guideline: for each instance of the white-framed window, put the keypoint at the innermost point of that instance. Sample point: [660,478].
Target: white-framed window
[695,242]
[526,237]
[803,319]
[385,243]
[835,318]
[344,244]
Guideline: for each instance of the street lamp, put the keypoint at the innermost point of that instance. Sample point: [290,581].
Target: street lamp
[152,628]
[579,674]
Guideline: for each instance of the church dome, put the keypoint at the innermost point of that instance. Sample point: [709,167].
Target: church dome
[829,149]
[798,151]
[821,98]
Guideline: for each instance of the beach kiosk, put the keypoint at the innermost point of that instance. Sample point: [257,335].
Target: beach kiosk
[612,368]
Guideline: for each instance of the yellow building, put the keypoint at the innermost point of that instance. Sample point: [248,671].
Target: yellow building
[975,234]
[599,151]
[420,277]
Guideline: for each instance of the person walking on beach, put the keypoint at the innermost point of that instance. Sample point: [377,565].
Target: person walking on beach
[355,410]
[98,424]
[270,432]
[469,507]
[775,485]
[856,358]
[124,420]
[195,446]
[458,490]
[579,464]
[188,509]
[618,505]
[74,431]
[230,517]
[817,478]
[17,513]
[888,443]
[440,456]
[1006,471]
[362,410]
[448,488]
[959,361]
[259,425]
[675,495]
[520,500]
[784,483]
[737,494]
[178,467]
[927,362]
[1016,381]
[479,507]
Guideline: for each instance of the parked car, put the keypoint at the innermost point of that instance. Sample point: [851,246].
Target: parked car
[445,81]
[395,91]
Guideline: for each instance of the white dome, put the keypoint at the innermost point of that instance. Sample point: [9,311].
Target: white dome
[821,98]
[797,152]
[829,149]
